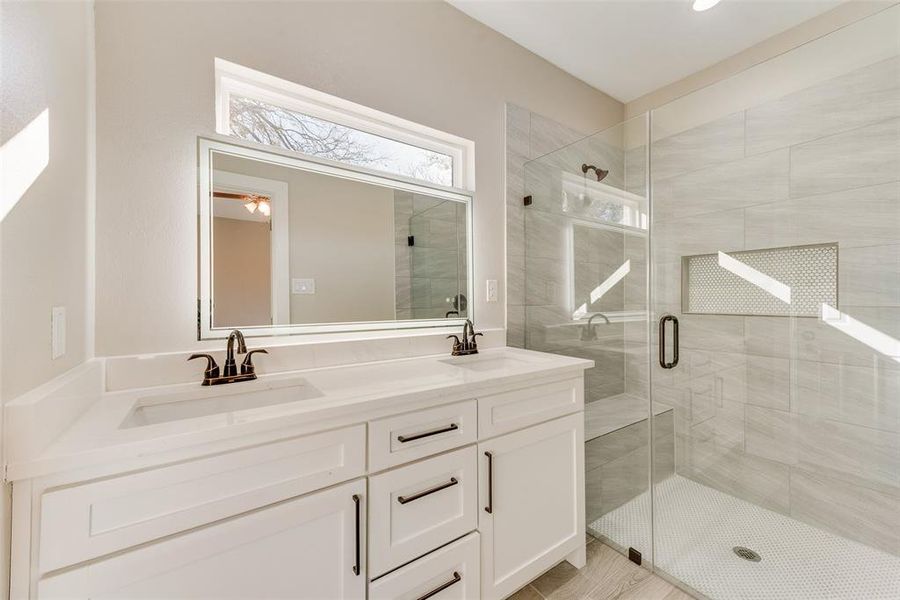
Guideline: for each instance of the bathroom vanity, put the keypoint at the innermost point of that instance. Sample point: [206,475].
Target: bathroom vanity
[458,476]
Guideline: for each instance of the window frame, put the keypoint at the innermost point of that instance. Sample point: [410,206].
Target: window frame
[233,79]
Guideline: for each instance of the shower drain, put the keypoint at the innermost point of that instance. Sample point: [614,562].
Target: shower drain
[747,554]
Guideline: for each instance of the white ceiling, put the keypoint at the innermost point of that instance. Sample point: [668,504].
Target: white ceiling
[628,48]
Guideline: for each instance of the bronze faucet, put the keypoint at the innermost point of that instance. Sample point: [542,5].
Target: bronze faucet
[468,345]
[589,333]
[230,373]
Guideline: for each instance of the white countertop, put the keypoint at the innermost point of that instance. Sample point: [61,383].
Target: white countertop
[346,395]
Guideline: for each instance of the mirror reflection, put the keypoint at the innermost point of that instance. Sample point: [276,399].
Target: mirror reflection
[291,246]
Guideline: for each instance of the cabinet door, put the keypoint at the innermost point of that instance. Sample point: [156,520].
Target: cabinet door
[310,547]
[532,503]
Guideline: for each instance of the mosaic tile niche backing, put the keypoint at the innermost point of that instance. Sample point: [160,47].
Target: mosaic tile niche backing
[784,282]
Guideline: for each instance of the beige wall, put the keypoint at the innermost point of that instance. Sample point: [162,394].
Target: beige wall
[242,272]
[783,42]
[45,49]
[341,233]
[45,245]
[423,61]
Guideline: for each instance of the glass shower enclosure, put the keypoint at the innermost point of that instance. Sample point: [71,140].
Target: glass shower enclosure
[731,263]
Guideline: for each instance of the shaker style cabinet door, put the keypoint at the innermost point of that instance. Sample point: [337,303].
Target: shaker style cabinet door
[531,511]
[311,547]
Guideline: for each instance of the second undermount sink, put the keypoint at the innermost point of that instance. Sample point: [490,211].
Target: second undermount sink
[201,402]
[485,363]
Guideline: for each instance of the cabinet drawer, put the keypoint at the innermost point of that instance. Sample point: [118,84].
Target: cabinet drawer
[403,438]
[86,521]
[451,573]
[508,411]
[419,507]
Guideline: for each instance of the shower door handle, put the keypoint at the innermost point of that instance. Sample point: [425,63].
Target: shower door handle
[662,342]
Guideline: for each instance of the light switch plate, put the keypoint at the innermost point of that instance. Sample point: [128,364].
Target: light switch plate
[57,331]
[303,286]
[491,290]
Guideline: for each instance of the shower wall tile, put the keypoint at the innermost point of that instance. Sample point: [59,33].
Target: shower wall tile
[859,217]
[547,282]
[856,513]
[548,136]
[861,157]
[548,235]
[757,480]
[515,279]
[769,382]
[855,395]
[771,434]
[699,234]
[768,336]
[595,245]
[859,98]
[716,142]
[403,292]
[751,181]
[636,171]
[711,332]
[818,341]
[859,455]
[870,276]
[515,326]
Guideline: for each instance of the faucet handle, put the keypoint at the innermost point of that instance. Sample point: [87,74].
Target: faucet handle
[212,369]
[456,343]
[247,367]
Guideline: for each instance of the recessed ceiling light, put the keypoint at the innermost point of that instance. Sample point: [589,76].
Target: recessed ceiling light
[701,5]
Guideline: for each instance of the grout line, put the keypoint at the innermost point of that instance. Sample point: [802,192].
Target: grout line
[536,591]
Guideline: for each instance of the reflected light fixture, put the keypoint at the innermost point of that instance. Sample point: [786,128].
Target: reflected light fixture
[260,203]
[701,5]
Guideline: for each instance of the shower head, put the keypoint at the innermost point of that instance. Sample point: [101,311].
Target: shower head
[600,173]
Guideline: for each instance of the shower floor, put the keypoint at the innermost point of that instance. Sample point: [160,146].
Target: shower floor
[697,527]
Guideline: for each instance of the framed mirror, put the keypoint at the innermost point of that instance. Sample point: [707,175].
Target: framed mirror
[294,246]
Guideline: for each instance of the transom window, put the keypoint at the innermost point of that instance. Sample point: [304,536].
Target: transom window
[267,110]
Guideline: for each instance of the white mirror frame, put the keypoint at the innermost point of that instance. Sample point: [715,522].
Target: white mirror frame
[205,149]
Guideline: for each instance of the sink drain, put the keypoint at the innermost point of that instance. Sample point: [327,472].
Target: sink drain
[747,554]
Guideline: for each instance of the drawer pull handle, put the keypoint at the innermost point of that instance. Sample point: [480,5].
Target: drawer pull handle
[418,436]
[356,566]
[456,579]
[404,499]
[490,484]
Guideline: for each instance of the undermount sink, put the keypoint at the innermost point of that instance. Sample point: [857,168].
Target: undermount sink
[202,402]
[489,363]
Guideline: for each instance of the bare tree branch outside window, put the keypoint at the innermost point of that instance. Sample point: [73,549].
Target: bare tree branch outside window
[276,126]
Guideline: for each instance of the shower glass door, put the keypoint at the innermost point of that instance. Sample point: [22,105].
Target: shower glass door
[776,247]
[586,247]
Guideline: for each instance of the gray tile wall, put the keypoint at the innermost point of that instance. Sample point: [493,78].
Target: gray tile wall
[792,414]
[434,269]
[539,309]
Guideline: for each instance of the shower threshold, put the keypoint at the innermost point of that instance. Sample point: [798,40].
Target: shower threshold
[697,528]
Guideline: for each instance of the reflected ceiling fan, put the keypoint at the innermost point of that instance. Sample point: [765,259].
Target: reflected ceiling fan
[252,202]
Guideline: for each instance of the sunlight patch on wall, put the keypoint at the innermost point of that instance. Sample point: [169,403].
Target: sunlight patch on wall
[22,159]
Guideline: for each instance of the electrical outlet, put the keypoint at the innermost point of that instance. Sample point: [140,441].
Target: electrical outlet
[57,331]
[303,286]
[491,290]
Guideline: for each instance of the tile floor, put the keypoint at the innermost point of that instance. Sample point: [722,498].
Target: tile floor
[697,527]
[607,576]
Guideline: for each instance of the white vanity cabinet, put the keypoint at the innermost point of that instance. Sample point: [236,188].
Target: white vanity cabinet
[532,503]
[466,495]
[311,547]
